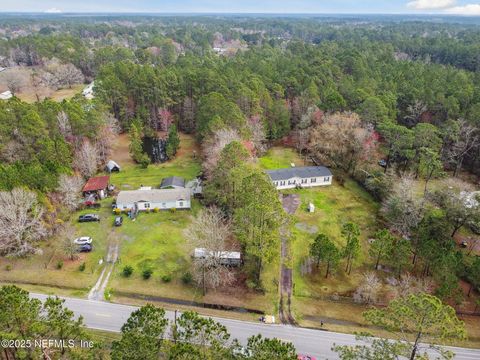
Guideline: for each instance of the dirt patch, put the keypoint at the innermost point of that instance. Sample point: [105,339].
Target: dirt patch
[120,153]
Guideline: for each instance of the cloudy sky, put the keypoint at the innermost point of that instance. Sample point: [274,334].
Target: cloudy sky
[462,7]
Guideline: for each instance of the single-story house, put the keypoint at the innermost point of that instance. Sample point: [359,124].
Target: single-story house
[97,186]
[112,166]
[173,182]
[227,258]
[161,199]
[6,95]
[293,177]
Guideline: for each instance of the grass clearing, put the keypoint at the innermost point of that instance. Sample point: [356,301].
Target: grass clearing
[280,157]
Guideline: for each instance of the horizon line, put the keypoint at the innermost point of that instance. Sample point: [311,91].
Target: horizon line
[146,12]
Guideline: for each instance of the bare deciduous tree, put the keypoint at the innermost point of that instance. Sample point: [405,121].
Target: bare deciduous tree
[402,209]
[21,222]
[213,147]
[409,284]
[106,137]
[259,138]
[64,124]
[69,187]
[369,289]
[86,159]
[209,231]
[414,112]
[15,80]
[341,140]
[462,139]
[66,242]
[68,75]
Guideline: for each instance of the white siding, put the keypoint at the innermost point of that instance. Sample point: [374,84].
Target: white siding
[181,204]
[303,182]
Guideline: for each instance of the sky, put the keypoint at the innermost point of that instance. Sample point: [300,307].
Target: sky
[456,7]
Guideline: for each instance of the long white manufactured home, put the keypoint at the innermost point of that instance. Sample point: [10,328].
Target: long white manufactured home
[161,199]
[308,176]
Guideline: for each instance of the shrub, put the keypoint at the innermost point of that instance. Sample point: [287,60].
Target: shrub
[8,267]
[187,278]
[166,278]
[127,271]
[117,211]
[147,273]
[59,264]
[144,161]
[173,210]
[107,294]
[147,210]
[82,267]
[156,210]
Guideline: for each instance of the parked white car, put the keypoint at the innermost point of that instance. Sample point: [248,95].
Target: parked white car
[83,240]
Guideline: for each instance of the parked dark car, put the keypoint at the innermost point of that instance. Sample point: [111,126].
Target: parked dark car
[118,221]
[85,248]
[88,218]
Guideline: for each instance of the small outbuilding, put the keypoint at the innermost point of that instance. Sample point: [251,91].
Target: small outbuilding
[97,186]
[6,95]
[226,258]
[173,182]
[112,166]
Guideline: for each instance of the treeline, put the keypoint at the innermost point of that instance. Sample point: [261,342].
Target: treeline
[40,141]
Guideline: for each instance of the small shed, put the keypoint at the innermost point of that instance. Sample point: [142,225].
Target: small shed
[173,182]
[97,186]
[112,166]
[6,95]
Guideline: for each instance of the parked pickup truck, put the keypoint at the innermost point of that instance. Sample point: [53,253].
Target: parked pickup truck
[88,218]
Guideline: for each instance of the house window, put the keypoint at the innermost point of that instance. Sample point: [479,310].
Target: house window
[146,205]
[180,204]
[313,180]
[304,181]
[164,205]
[326,179]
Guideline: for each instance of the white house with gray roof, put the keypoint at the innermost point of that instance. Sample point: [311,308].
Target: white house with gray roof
[293,177]
[161,199]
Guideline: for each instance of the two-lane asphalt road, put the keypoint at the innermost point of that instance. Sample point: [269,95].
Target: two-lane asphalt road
[110,317]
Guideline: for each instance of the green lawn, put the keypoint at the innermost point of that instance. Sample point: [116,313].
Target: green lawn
[279,157]
[155,241]
[334,206]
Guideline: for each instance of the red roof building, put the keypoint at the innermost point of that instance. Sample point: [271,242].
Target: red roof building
[96,184]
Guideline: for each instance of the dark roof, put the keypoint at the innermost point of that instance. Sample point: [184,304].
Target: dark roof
[301,172]
[96,183]
[172,181]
